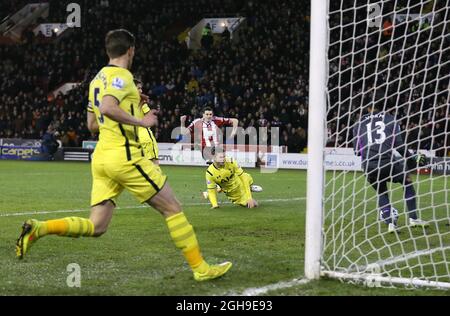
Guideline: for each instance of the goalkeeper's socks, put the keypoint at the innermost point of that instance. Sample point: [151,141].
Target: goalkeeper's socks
[383,201]
[386,215]
[68,226]
[410,197]
[183,236]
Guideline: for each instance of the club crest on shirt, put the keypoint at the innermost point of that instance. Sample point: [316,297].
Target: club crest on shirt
[117,83]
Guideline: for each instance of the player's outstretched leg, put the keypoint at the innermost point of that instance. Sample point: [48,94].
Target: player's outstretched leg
[94,226]
[248,180]
[184,237]
[33,229]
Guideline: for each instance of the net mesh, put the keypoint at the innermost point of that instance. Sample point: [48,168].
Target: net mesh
[401,50]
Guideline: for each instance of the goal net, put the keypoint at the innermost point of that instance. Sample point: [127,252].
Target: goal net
[400,50]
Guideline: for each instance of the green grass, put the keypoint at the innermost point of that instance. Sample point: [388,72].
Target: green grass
[136,255]
[361,240]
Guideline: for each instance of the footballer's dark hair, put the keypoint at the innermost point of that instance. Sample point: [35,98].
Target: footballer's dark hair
[118,42]
[207,108]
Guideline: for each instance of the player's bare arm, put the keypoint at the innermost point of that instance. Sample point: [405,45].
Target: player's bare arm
[110,108]
[92,123]
[183,128]
[235,123]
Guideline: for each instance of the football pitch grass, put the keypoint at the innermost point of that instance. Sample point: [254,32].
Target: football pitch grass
[136,255]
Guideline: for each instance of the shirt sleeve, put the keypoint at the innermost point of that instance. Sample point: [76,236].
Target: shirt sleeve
[117,86]
[399,145]
[210,183]
[191,127]
[145,108]
[222,121]
[356,144]
[89,107]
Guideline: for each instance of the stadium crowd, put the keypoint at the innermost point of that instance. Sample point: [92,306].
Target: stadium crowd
[260,77]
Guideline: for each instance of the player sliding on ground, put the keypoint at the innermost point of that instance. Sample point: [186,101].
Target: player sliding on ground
[376,136]
[119,163]
[232,180]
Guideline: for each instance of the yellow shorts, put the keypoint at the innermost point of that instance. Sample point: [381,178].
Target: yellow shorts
[151,148]
[239,195]
[239,198]
[140,176]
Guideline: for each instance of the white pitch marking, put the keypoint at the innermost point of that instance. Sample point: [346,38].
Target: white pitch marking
[134,207]
[271,287]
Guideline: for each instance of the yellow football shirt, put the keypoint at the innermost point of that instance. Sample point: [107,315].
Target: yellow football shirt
[147,138]
[117,142]
[226,177]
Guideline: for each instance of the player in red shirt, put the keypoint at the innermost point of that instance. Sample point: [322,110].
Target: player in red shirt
[206,131]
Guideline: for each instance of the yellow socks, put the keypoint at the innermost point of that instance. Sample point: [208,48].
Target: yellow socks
[184,238]
[68,226]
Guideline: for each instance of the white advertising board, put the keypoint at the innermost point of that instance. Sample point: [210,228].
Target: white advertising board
[300,161]
[194,158]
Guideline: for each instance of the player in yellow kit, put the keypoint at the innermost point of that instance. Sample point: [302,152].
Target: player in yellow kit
[119,163]
[146,136]
[233,181]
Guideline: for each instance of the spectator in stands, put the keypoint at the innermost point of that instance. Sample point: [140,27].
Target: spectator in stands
[387,28]
[192,86]
[49,143]
[226,34]
[260,76]
[19,125]
[207,37]
[72,137]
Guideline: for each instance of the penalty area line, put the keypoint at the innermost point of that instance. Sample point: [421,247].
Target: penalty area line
[136,207]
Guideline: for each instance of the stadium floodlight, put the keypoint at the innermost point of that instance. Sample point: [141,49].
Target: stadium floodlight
[394,56]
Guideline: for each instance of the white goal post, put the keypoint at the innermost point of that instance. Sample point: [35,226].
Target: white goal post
[357,49]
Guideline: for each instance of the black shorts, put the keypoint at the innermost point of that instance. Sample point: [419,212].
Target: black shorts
[386,171]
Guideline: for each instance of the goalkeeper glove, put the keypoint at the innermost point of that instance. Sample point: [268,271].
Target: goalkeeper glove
[420,159]
[415,161]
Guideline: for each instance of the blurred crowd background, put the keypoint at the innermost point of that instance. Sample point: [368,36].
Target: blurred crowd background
[259,77]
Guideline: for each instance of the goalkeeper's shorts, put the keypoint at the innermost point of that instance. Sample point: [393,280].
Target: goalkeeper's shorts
[386,171]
